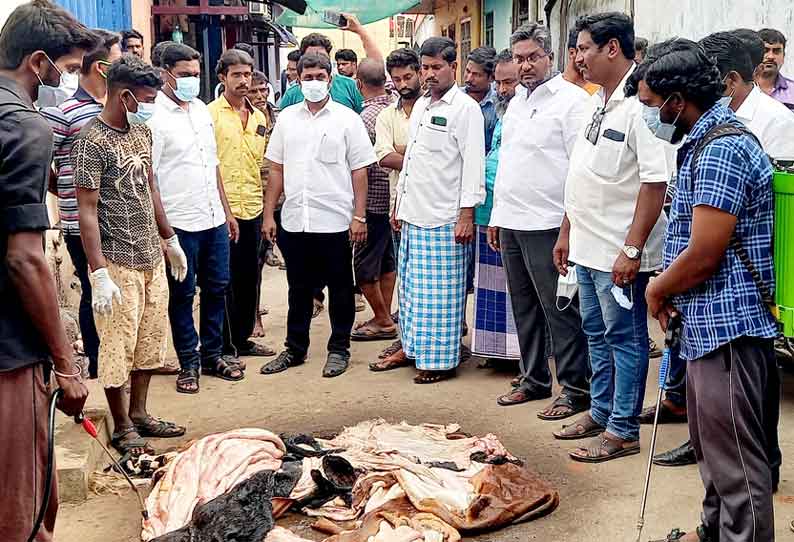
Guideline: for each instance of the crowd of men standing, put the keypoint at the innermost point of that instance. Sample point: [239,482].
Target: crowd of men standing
[555,197]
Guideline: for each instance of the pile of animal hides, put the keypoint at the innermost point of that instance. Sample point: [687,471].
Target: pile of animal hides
[375,482]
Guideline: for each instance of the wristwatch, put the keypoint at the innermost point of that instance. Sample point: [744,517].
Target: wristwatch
[632,252]
[361,219]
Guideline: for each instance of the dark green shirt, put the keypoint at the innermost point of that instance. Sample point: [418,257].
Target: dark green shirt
[343,91]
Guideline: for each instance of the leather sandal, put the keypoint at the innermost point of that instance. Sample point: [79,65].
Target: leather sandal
[605,448]
[584,427]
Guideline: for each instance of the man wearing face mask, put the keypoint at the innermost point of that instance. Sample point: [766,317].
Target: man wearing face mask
[120,217]
[185,164]
[318,153]
[613,231]
[66,121]
[494,334]
[540,129]
[719,277]
[241,138]
[391,140]
[440,184]
[38,42]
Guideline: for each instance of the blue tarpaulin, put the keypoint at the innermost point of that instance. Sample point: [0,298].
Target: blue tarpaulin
[113,15]
[367,11]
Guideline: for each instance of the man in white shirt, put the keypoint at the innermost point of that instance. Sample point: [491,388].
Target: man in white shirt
[185,164]
[769,120]
[318,154]
[613,232]
[441,182]
[540,129]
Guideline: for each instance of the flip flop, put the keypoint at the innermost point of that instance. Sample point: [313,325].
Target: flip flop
[574,406]
[431,377]
[366,332]
[157,428]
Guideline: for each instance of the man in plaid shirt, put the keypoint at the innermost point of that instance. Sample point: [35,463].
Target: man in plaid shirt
[723,201]
[373,262]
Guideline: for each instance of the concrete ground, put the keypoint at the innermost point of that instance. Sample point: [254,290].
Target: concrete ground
[599,503]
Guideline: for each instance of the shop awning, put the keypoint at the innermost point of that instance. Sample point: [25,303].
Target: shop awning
[367,11]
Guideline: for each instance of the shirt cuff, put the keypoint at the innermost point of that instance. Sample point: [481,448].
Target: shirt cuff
[471,200]
[26,217]
[364,163]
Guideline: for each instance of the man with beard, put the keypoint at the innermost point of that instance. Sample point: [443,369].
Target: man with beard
[769,77]
[540,129]
[478,84]
[494,336]
[241,136]
[441,183]
[391,140]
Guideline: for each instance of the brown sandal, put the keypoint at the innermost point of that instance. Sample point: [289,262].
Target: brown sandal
[604,448]
[584,427]
[395,361]
[431,377]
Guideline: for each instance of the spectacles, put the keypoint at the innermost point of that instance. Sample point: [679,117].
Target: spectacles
[593,129]
[534,58]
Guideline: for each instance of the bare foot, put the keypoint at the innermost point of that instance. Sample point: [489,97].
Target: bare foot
[258,331]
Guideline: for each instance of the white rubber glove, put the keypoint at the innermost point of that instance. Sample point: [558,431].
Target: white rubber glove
[103,292]
[176,258]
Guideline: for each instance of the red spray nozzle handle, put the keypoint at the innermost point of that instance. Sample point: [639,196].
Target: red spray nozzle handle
[89,427]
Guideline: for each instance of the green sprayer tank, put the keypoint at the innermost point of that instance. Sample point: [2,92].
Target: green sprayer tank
[783,186]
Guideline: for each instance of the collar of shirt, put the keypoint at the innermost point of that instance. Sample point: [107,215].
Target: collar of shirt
[384,99]
[782,83]
[747,110]
[82,95]
[716,115]
[620,92]
[8,84]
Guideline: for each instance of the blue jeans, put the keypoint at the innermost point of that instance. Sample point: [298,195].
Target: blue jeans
[208,266]
[618,341]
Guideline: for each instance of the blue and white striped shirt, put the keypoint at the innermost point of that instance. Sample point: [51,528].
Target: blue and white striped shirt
[734,175]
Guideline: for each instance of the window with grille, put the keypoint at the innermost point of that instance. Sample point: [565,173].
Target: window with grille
[465,43]
[489,28]
[520,12]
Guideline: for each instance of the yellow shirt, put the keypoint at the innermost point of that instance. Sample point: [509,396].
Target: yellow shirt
[241,153]
[391,131]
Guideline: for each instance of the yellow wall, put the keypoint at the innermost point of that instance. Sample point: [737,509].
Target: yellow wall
[449,12]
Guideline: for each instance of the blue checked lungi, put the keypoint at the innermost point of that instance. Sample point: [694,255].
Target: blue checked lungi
[432,271]
[495,334]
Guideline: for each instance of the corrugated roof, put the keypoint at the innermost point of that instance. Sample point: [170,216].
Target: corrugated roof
[108,14]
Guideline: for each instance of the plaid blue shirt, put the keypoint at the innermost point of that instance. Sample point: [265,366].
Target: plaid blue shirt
[734,175]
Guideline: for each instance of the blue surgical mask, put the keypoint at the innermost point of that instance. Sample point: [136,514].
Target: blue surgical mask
[142,115]
[725,101]
[187,88]
[653,119]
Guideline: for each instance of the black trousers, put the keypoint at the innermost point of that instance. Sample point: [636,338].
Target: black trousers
[241,297]
[314,260]
[74,246]
[532,281]
[733,404]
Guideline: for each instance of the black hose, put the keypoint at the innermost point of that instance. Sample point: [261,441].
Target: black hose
[45,500]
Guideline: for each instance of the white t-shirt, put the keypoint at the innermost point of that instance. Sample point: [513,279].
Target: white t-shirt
[539,131]
[318,153]
[604,181]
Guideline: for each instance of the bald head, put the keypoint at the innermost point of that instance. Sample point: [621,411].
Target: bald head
[371,73]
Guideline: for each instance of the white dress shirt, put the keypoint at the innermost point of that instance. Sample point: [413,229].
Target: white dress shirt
[184,161]
[770,121]
[444,166]
[318,153]
[604,181]
[539,131]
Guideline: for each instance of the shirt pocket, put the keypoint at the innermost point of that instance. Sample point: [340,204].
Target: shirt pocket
[605,161]
[331,149]
[434,137]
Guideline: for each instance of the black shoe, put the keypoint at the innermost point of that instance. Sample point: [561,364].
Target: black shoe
[284,361]
[678,457]
[336,364]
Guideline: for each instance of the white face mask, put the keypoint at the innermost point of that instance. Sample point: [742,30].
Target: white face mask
[315,91]
[627,302]
[567,287]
